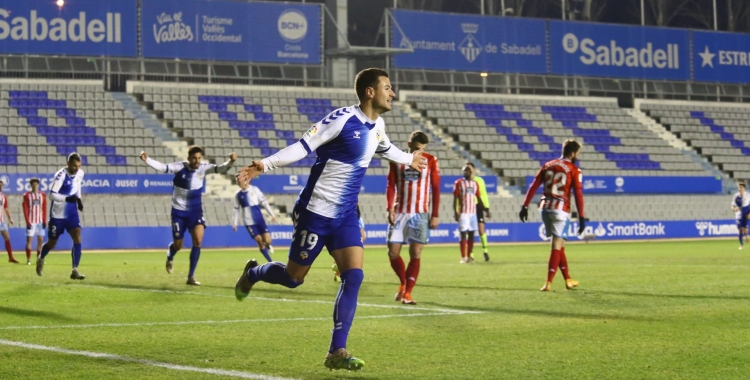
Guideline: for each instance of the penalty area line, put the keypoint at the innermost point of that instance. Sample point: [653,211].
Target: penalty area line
[174,367]
[213,322]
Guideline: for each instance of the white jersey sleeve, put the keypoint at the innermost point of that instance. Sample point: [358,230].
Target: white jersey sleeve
[389,151]
[325,130]
[165,168]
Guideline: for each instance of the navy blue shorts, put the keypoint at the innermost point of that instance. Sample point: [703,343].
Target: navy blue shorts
[256,229]
[312,232]
[57,227]
[742,221]
[185,221]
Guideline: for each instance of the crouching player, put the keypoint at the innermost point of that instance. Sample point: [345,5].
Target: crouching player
[247,203]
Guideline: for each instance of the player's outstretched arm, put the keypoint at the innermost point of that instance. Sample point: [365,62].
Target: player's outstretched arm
[158,166]
[223,168]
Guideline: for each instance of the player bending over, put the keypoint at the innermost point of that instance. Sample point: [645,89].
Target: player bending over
[65,195]
[247,202]
[741,208]
[408,217]
[35,213]
[3,226]
[187,206]
[325,214]
[560,177]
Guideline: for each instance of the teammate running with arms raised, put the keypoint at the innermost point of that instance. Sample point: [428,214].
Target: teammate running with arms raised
[560,177]
[187,203]
[325,214]
[410,216]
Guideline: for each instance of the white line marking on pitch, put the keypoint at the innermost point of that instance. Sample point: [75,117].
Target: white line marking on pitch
[114,287]
[212,322]
[175,367]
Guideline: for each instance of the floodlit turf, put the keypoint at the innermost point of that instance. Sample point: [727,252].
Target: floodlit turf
[676,310]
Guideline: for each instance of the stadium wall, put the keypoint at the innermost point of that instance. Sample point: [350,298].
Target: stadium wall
[224,237]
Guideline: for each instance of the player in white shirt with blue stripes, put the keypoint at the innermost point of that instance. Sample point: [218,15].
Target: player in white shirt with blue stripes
[65,197]
[741,208]
[247,203]
[325,214]
[187,205]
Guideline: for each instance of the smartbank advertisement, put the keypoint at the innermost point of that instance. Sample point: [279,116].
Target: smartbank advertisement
[443,41]
[233,31]
[223,236]
[95,183]
[721,57]
[80,27]
[619,51]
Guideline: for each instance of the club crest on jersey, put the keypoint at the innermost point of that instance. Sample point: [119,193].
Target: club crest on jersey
[303,255]
[411,174]
[377,135]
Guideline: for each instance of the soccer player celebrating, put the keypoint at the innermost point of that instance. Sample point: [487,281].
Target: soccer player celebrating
[4,226]
[408,217]
[481,211]
[560,177]
[247,202]
[466,195]
[65,195]
[35,212]
[325,214]
[741,207]
[187,206]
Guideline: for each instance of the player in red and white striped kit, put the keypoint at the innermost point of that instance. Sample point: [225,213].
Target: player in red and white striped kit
[410,216]
[4,226]
[466,196]
[560,177]
[35,212]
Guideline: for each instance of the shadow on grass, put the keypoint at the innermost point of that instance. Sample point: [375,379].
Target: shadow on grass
[544,313]
[34,313]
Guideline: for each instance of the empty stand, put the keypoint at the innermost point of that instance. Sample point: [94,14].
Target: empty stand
[41,121]
[516,134]
[719,132]
[257,121]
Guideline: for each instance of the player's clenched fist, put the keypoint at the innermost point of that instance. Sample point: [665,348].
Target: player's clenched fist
[144,156]
[233,156]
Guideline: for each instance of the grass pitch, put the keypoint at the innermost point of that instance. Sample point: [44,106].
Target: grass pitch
[657,310]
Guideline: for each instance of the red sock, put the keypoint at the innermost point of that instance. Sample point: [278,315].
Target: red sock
[463,248]
[9,249]
[398,267]
[471,246]
[28,254]
[564,264]
[412,272]
[554,262]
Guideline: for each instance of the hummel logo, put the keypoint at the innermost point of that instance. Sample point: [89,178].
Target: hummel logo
[356,134]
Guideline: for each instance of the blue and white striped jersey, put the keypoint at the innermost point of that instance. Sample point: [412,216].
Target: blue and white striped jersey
[248,203]
[742,203]
[345,142]
[64,185]
[188,183]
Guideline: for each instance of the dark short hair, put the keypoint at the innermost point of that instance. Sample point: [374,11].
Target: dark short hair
[33,181]
[74,157]
[193,149]
[367,78]
[741,184]
[570,147]
[470,164]
[419,137]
